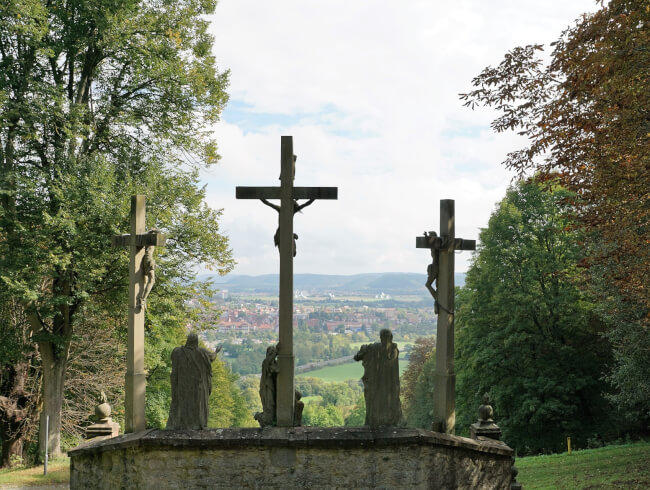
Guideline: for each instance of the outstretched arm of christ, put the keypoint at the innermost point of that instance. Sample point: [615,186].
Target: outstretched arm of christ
[271,205]
[297,207]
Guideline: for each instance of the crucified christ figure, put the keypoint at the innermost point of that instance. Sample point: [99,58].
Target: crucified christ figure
[296,207]
[432,269]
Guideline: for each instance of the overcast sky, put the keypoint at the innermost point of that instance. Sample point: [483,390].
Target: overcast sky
[369,92]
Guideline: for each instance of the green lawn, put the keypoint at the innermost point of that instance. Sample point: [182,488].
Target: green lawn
[626,466]
[58,471]
[343,372]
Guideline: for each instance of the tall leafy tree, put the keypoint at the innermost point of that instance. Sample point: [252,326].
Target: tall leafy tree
[586,115]
[417,382]
[100,100]
[525,332]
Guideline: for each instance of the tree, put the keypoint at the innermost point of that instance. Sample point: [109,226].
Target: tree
[417,380]
[317,415]
[227,403]
[357,416]
[99,101]
[587,118]
[525,332]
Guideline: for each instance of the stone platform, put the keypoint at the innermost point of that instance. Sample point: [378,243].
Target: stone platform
[298,457]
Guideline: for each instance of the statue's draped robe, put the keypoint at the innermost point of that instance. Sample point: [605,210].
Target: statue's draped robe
[268,390]
[381,383]
[191,387]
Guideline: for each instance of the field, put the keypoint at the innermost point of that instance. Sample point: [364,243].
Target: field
[626,466]
[343,372]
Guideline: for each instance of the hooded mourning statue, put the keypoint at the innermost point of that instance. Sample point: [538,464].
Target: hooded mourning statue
[191,385]
[381,381]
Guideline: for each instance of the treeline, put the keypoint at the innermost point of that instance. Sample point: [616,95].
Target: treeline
[554,320]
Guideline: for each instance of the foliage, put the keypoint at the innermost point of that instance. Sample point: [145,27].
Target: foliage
[417,384]
[99,101]
[525,332]
[227,404]
[357,416]
[334,393]
[587,119]
[317,415]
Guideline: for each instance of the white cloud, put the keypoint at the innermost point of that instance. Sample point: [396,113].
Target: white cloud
[369,91]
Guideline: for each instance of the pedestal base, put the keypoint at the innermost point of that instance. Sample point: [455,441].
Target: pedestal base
[282,458]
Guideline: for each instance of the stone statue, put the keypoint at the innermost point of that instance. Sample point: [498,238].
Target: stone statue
[299,406]
[381,381]
[432,269]
[268,387]
[191,385]
[149,272]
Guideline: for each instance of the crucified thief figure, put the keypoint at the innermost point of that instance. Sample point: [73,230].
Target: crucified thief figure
[296,207]
[432,269]
[149,272]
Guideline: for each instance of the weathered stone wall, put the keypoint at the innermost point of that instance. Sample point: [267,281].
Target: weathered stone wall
[308,458]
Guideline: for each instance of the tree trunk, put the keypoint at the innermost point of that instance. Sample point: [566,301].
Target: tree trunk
[54,368]
[14,410]
[10,447]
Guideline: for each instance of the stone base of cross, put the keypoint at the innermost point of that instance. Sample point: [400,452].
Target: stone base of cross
[135,379]
[441,271]
[288,196]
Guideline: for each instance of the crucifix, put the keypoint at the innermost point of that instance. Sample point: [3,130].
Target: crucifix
[441,271]
[285,240]
[141,280]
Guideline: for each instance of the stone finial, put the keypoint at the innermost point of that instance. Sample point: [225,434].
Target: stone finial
[485,411]
[485,427]
[104,426]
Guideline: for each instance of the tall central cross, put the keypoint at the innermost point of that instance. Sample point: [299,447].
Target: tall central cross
[289,196]
[441,271]
[137,241]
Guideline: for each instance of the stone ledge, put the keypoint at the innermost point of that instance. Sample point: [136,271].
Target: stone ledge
[291,437]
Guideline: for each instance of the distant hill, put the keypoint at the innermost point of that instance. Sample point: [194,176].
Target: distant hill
[373,283]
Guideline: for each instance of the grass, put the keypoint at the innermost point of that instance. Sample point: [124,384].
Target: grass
[58,471]
[626,466]
[343,372]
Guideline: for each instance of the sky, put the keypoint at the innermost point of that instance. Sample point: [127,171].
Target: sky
[369,92]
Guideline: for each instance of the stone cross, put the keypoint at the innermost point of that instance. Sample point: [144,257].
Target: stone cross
[135,381]
[442,271]
[288,195]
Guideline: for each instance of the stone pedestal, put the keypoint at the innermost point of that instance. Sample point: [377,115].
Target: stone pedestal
[485,426]
[485,429]
[290,457]
[104,427]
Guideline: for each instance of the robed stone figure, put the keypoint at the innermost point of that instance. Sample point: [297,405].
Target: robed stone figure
[269,387]
[191,385]
[381,381]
